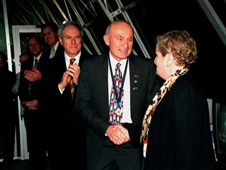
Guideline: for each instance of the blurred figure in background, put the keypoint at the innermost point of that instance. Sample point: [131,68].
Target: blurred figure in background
[23,57]
[50,35]
[7,109]
[29,92]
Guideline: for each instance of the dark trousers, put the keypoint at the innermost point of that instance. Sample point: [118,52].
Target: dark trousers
[35,138]
[7,128]
[120,157]
[67,149]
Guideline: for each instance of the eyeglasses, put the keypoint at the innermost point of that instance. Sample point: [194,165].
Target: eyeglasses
[48,33]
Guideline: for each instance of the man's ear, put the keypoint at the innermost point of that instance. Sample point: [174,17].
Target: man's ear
[106,39]
[60,39]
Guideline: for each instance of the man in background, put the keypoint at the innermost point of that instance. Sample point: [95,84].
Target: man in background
[66,131]
[7,110]
[29,92]
[50,34]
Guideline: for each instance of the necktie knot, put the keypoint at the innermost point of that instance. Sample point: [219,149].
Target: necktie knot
[72,60]
[118,65]
[36,63]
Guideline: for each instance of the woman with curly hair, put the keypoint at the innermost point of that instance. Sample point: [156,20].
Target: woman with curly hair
[176,129]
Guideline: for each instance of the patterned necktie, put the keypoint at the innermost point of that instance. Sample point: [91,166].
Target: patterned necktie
[53,52]
[72,85]
[115,111]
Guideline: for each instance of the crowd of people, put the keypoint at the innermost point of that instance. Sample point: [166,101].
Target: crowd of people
[107,112]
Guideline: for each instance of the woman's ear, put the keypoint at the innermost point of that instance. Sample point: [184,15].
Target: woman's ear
[169,59]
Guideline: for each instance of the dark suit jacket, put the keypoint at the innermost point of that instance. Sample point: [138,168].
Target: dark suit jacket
[33,119]
[59,50]
[7,103]
[179,134]
[66,132]
[7,80]
[63,103]
[92,98]
[8,112]
[35,86]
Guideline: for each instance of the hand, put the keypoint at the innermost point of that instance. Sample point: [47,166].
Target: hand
[31,105]
[73,71]
[118,134]
[64,80]
[33,75]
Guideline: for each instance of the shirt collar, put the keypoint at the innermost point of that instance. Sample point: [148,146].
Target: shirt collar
[77,57]
[56,45]
[38,57]
[114,62]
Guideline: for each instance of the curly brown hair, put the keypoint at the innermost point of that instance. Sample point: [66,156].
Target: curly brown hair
[180,44]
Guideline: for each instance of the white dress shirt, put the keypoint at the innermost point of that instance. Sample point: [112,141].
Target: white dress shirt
[36,58]
[67,59]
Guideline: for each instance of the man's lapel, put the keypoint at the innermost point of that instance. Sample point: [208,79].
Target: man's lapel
[134,81]
[104,83]
[61,68]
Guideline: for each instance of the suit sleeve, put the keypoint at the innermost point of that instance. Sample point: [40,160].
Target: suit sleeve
[23,84]
[84,104]
[152,88]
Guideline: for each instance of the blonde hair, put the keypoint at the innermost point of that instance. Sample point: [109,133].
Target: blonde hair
[180,44]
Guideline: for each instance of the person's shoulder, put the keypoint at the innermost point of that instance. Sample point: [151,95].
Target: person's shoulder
[60,47]
[10,73]
[56,60]
[143,63]
[45,55]
[96,58]
[141,59]
[186,80]
[188,84]
[27,62]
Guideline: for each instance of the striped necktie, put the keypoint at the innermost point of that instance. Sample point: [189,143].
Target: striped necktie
[53,52]
[72,85]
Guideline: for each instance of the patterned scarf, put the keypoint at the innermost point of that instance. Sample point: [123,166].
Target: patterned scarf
[155,101]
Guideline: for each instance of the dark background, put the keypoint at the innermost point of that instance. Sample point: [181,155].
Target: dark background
[150,18]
